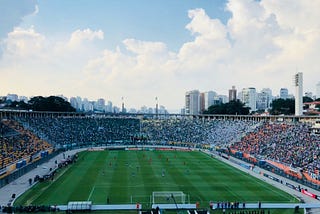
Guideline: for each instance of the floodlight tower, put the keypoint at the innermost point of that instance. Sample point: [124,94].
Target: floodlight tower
[157,107]
[123,110]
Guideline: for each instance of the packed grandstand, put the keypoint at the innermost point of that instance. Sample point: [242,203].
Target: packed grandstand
[283,146]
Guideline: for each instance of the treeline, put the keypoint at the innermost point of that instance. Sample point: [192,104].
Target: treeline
[231,108]
[39,103]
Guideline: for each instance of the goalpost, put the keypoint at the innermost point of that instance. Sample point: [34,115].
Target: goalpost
[168,197]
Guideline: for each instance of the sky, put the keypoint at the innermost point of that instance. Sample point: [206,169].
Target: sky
[144,49]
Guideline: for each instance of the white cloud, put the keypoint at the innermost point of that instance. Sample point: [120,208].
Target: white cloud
[273,39]
[297,15]
[24,42]
[203,25]
[143,47]
[255,48]
[261,45]
[36,10]
[137,74]
[44,65]
[80,36]
[210,44]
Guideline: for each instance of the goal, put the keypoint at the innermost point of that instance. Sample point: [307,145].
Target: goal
[167,197]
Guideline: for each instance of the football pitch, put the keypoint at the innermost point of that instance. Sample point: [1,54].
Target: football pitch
[124,177]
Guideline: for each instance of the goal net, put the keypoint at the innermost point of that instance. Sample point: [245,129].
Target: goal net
[176,197]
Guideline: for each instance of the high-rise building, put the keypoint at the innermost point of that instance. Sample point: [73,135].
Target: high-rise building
[143,109]
[79,103]
[249,98]
[100,105]
[13,97]
[284,93]
[74,103]
[268,92]
[109,107]
[87,106]
[123,108]
[232,93]
[202,102]
[132,111]
[192,102]
[162,110]
[209,99]
[221,99]
[262,100]
[318,90]
[116,109]
[24,99]
[240,96]
[298,84]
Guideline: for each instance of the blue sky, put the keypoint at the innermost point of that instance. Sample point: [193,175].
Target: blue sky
[143,19]
[141,49]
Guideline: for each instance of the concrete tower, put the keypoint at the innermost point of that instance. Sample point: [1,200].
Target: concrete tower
[298,84]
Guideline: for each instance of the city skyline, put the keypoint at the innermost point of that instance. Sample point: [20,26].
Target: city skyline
[141,50]
[195,101]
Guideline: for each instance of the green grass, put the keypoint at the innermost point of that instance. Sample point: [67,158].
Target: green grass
[132,176]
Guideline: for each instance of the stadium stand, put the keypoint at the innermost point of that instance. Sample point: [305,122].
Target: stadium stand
[87,130]
[286,146]
[82,131]
[18,145]
[188,131]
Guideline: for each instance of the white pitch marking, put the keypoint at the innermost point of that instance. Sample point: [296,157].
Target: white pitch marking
[91,193]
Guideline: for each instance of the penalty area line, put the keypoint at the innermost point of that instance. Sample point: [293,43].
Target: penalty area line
[91,192]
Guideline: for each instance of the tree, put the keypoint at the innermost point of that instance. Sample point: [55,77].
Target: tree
[3,100]
[231,108]
[307,99]
[51,103]
[282,106]
[21,105]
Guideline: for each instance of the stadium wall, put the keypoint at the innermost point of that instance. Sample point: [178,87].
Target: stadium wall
[10,176]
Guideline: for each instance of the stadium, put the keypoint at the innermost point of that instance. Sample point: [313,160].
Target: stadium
[135,163]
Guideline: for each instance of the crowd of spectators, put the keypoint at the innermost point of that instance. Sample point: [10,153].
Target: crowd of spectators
[102,130]
[87,131]
[83,130]
[196,131]
[17,143]
[289,143]
[286,142]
